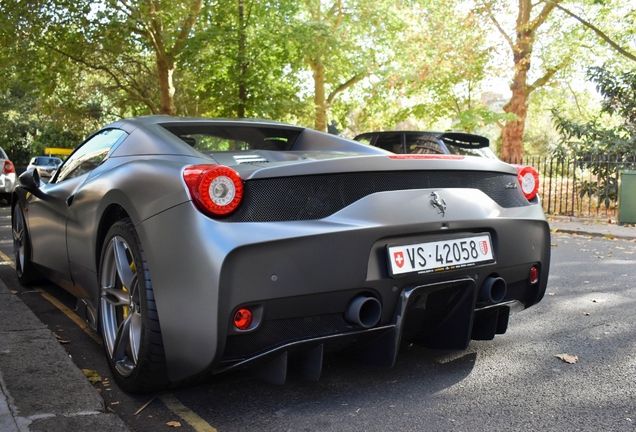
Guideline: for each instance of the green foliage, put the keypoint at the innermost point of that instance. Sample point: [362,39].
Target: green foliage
[601,149]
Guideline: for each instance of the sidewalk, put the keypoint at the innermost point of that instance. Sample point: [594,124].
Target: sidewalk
[41,389]
[591,227]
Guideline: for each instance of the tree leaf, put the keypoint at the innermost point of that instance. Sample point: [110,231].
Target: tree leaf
[567,358]
[92,376]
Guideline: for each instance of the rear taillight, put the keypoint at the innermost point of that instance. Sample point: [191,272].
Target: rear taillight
[528,180]
[216,190]
[8,167]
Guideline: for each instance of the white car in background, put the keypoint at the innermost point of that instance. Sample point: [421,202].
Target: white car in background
[46,166]
[7,176]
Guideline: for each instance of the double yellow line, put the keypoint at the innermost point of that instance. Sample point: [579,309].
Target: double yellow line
[171,402]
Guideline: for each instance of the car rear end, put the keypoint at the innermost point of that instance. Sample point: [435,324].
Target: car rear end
[7,176]
[357,253]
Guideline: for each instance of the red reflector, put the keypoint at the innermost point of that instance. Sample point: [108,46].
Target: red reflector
[425,156]
[534,275]
[242,319]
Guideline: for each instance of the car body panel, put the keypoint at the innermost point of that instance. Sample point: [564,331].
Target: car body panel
[299,271]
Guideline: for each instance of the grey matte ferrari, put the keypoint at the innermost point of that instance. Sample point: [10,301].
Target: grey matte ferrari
[198,246]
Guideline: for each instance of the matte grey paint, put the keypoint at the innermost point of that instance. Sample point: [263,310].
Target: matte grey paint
[202,268]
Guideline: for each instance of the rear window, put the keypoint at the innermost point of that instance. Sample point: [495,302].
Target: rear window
[214,138]
[390,141]
[423,144]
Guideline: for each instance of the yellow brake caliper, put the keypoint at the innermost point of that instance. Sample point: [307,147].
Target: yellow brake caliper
[126,309]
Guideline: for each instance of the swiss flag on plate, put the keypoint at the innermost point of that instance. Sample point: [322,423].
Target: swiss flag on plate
[398,257]
[483,246]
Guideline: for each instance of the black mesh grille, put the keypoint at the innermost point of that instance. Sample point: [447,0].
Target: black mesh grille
[279,332]
[319,196]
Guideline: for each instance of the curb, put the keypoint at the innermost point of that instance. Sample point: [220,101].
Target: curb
[41,389]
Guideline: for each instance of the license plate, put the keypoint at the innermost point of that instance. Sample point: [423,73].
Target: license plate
[440,255]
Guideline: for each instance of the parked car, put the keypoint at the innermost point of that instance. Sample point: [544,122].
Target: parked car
[419,142]
[46,165]
[7,176]
[199,246]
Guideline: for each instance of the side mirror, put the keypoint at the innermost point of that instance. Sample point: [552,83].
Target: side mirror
[30,180]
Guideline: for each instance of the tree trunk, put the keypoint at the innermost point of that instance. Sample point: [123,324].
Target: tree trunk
[320,101]
[165,68]
[526,29]
[512,133]
[242,65]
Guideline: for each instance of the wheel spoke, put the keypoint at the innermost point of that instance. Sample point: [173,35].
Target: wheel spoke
[124,271]
[135,335]
[17,235]
[122,341]
[116,297]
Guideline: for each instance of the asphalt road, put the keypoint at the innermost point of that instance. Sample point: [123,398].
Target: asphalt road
[514,382]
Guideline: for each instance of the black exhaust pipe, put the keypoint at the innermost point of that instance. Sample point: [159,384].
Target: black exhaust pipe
[364,311]
[493,290]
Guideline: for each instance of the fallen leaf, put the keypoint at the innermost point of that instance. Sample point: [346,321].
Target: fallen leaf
[567,358]
[63,342]
[173,424]
[13,292]
[92,376]
[554,245]
[114,403]
[609,237]
[586,313]
[99,391]
[551,294]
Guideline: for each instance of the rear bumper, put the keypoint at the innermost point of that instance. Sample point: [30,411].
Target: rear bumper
[301,276]
[7,183]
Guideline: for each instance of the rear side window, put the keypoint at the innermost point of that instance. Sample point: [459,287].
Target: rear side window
[213,138]
[90,154]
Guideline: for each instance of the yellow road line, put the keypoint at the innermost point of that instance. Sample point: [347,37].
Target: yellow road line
[169,400]
[7,259]
[184,412]
[66,311]
[72,315]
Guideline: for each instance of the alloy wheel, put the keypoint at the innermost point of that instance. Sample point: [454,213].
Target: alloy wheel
[120,306]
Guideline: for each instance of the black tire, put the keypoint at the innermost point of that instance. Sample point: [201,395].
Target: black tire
[24,267]
[135,356]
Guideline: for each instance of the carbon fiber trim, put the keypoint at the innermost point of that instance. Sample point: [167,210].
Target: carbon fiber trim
[279,332]
[319,196]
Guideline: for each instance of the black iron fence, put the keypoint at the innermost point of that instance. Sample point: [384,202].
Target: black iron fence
[581,186]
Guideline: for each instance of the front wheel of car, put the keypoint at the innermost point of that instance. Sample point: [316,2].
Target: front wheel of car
[24,268]
[128,316]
